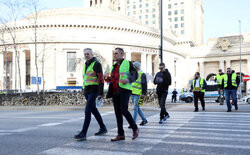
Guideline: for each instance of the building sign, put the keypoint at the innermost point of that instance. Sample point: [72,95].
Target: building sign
[33,80]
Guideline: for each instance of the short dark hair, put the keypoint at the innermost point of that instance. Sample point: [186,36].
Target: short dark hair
[119,49]
[220,70]
[197,73]
[161,64]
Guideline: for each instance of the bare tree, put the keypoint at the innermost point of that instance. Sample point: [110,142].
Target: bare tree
[3,33]
[32,5]
[15,8]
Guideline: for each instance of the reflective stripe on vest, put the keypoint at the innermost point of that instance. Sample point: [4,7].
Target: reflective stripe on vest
[219,79]
[234,75]
[89,78]
[201,84]
[124,72]
[136,86]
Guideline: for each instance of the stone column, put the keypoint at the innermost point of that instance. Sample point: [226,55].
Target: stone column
[143,62]
[149,68]
[202,69]
[248,71]
[14,70]
[228,63]
[222,65]
[23,69]
[128,56]
[1,71]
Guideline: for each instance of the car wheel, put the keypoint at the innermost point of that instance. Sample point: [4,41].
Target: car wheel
[189,100]
[248,100]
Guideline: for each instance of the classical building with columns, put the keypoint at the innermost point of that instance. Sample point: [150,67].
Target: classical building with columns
[64,33]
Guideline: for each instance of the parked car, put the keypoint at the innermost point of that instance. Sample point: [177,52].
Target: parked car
[246,99]
[211,92]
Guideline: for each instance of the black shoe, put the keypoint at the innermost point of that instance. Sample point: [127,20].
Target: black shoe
[229,110]
[101,132]
[80,137]
[161,121]
[144,122]
[129,127]
[203,109]
[196,110]
[236,108]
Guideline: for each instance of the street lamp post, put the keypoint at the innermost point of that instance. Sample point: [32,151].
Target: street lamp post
[161,25]
[240,60]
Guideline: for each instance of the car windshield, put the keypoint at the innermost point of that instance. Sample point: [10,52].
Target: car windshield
[211,88]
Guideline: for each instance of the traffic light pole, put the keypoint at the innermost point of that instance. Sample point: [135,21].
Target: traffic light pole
[161,25]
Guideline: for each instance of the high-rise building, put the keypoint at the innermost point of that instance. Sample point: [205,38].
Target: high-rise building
[183,17]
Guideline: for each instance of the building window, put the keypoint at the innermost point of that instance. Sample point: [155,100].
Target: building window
[182,3]
[141,11]
[175,19]
[127,1]
[153,21]
[182,24]
[175,25]
[134,12]
[182,18]
[182,11]
[146,22]
[71,61]
[169,6]
[153,10]
[153,15]
[134,6]
[140,5]
[170,19]
[176,12]
[182,32]
[169,13]
[140,0]
[140,17]
[147,10]
[127,8]
[175,4]
[146,16]
[128,13]
[146,4]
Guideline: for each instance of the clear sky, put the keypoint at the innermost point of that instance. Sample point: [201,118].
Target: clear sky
[220,16]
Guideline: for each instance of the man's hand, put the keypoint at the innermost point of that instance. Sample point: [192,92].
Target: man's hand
[124,81]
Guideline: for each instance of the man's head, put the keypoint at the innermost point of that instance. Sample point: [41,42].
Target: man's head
[197,75]
[88,53]
[229,70]
[220,71]
[137,65]
[118,54]
[161,67]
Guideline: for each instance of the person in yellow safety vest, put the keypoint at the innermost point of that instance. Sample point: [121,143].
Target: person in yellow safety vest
[123,74]
[220,85]
[231,83]
[93,83]
[198,87]
[139,90]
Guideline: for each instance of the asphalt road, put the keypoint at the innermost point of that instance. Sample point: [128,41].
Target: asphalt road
[51,130]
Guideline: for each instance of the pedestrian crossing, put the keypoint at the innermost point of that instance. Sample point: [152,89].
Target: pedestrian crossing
[183,133]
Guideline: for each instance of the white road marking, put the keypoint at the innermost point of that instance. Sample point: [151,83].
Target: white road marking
[210,145]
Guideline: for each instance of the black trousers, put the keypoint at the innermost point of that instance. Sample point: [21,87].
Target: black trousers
[162,102]
[200,96]
[173,98]
[120,101]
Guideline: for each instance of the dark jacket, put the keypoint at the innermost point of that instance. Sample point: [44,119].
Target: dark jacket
[132,77]
[204,84]
[165,83]
[229,82]
[174,93]
[98,70]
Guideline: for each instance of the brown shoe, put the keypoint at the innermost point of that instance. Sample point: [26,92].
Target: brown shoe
[135,134]
[117,138]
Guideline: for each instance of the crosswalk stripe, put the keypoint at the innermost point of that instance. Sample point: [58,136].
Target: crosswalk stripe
[210,145]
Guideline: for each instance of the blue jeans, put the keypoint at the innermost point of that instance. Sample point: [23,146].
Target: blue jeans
[233,93]
[91,108]
[137,109]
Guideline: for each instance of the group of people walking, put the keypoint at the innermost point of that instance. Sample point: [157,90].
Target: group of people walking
[125,79]
[226,82]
